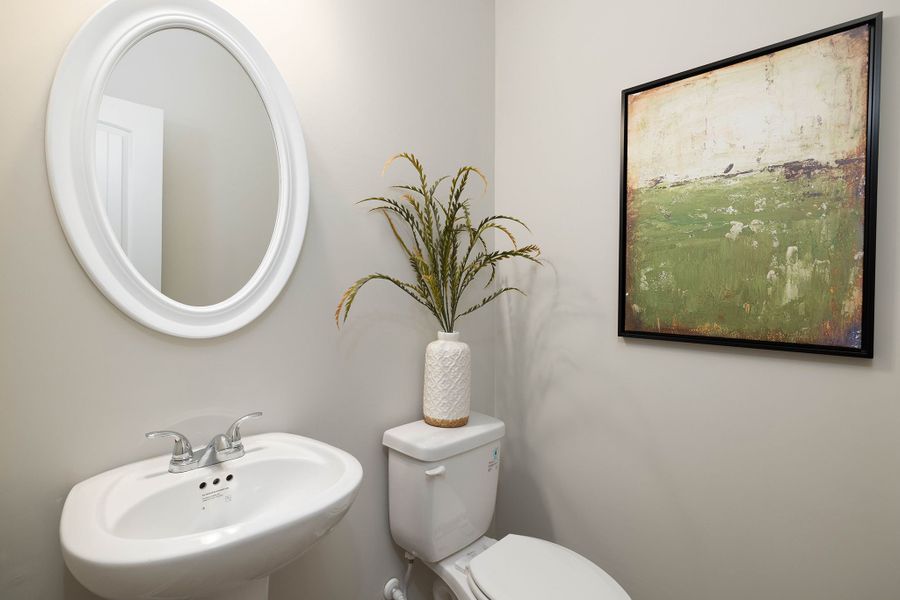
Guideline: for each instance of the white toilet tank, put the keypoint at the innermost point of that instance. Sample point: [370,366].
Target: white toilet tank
[442,484]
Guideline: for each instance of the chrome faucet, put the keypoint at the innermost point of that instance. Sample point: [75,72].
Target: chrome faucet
[224,446]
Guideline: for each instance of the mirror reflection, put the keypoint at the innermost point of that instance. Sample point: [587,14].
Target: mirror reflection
[186,166]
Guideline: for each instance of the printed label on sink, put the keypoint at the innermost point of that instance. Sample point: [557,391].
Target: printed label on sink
[215,497]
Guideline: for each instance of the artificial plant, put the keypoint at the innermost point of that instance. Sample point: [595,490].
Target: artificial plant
[445,249]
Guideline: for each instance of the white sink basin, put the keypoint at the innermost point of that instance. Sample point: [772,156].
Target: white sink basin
[140,532]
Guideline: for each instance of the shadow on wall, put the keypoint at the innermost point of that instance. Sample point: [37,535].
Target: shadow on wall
[334,553]
[72,590]
[546,343]
[519,385]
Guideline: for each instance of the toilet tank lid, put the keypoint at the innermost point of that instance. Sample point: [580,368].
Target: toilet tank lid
[427,443]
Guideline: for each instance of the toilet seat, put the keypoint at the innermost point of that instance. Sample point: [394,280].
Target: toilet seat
[525,568]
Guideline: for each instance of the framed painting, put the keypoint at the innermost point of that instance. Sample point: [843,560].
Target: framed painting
[748,197]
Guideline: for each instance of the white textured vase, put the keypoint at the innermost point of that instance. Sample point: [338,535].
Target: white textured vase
[448,381]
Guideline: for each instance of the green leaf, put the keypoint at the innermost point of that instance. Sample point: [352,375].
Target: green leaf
[350,295]
[445,251]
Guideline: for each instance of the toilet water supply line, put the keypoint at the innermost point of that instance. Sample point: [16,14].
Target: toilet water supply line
[393,589]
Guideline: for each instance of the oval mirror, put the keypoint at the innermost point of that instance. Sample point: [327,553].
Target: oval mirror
[177,165]
[186,166]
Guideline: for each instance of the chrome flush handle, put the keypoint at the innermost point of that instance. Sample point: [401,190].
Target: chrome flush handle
[234,432]
[182,453]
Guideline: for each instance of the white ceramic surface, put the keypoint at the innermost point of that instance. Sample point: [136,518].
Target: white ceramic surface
[448,381]
[443,491]
[139,531]
[526,568]
[421,441]
[442,505]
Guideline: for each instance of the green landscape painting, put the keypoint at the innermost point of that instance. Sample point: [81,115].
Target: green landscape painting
[745,198]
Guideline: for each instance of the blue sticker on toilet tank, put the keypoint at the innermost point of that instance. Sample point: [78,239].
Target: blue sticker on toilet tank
[494,462]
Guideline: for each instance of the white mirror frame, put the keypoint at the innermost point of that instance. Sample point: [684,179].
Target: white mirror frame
[71,121]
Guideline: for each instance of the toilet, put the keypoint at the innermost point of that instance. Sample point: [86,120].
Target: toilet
[443,488]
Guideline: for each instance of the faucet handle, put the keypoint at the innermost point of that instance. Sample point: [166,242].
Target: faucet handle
[182,452]
[234,432]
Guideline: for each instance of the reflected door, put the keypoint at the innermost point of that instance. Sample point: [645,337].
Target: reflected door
[129,153]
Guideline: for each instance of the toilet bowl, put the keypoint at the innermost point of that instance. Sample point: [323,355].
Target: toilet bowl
[443,490]
[521,568]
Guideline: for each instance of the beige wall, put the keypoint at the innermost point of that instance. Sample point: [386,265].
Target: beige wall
[80,382]
[220,171]
[689,473]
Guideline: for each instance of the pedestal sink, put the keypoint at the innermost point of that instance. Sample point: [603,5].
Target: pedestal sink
[139,532]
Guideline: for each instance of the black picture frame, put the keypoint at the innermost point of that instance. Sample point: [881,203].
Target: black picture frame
[866,349]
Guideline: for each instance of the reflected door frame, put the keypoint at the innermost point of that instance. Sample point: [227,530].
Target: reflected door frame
[129,163]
